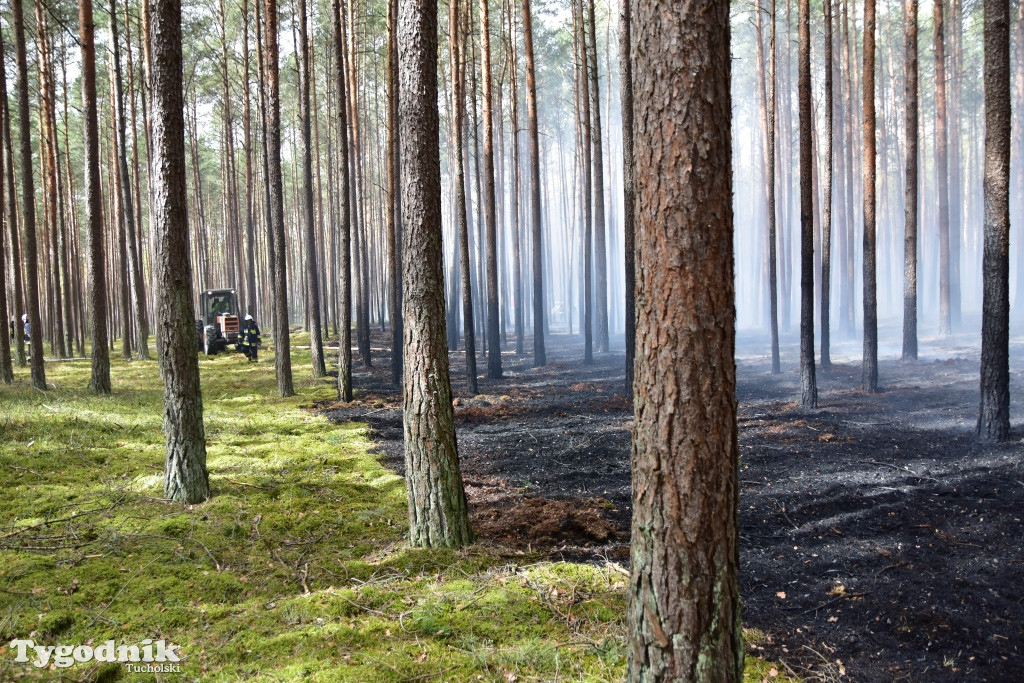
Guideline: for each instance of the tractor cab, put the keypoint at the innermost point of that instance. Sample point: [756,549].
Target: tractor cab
[218,324]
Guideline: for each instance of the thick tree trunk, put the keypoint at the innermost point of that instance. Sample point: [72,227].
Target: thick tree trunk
[910,223]
[185,475]
[628,183]
[808,381]
[490,221]
[312,268]
[344,211]
[684,616]
[994,412]
[283,351]
[437,500]
[100,379]
[536,228]
[869,379]
[28,194]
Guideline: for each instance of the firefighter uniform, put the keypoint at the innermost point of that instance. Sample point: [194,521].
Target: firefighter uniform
[249,339]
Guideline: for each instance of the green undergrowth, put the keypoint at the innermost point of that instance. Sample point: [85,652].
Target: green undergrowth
[296,569]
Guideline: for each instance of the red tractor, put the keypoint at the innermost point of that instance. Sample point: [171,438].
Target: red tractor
[218,326]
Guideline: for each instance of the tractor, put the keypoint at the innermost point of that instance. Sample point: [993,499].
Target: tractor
[218,326]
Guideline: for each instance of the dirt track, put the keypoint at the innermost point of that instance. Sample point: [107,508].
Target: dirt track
[877,538]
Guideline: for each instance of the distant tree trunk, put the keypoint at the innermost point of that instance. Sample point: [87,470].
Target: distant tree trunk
[124,177]
[826,224]
[956,192]
[684,614]
[628,183]
[344,211]
[517,185]
[994,412]
[600,246]
[768,135]
[6,369]
[437,500]
[312,267]
[941,147]
[250,194]
[185,475]
[536,229]
[910,188]
[583,105]
[283,351]
[808,381]
[869,379]
[28,194]
[394,205]
[12,216]
[100,379]
[458,69]
[490,221]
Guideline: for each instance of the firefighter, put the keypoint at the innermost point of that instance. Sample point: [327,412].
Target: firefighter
[250,338]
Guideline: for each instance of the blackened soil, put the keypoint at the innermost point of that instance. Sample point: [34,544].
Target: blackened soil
[878,540]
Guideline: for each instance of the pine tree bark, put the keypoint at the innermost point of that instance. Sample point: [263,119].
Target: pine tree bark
[283,351]
[910,183]
[536,227]
[28,197]
[683,615]
[344,211]
[994,412]
[583,113]
[99,381]
[869,379]
[309,224]
[808,381]
[437,500]
[490,220]
[517,184]
[185,475]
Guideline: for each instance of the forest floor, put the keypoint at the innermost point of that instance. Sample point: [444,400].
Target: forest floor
[879,541]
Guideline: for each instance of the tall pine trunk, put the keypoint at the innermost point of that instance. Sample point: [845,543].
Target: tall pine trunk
[910,222]
[28,194]
[437,501]
[536,228]
[283,351]
[869,379]
[344,210]
[628,184]
[942,170]
[994,412]
[600,246]
[827,209]
[490,220]
[808,381]
[185,475]
[684,612]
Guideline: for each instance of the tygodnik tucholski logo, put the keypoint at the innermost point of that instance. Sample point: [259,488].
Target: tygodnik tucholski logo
[146,657]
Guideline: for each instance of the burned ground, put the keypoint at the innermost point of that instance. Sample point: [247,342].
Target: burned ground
[878,540]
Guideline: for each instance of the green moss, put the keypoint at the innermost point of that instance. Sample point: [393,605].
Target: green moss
[90,551]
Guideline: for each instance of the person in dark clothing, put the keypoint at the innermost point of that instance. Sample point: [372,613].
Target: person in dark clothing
[28,345]
[249,339]
[14,330]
